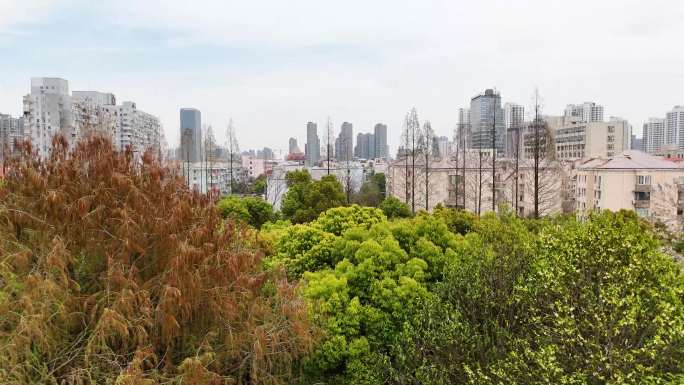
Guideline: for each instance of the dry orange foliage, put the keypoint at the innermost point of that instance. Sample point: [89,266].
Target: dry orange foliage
[112,271]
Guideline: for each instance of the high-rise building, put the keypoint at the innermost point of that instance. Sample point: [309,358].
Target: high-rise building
[293,147]
[312,148]
[655,135]
[514,118]
[585,112]
[487,122]
[443,147]
[11,134]
[191,135]
[48,111]
[344,144]
[674,127]
[365,146]
[380,136]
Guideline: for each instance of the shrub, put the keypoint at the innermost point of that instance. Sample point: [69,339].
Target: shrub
[114,272]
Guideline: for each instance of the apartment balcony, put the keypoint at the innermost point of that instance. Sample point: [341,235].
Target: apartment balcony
[642,188]
[642,204]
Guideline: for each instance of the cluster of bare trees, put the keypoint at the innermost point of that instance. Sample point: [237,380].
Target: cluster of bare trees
[419,152]
[479,174]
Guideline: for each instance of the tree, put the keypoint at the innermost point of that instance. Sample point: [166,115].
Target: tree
[394,208]
[541,149]
[113,271]
[306,199]
[428,152]
[252,210]
[372,191]
[569,302]
[259,185]
[410,138]
[365,279]
[233,148]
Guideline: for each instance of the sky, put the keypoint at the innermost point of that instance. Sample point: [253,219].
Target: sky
[274,65]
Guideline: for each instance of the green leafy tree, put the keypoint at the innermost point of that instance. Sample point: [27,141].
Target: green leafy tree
[365,278]
[575,303]
[372,191]
[394,208]
[253,210]
[306,199]
[259,185]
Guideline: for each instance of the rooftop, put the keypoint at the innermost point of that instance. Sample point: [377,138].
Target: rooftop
[630,160]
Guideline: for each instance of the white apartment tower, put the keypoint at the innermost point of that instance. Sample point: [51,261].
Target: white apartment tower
[48,111]
[674,127]
[655,135]
[585,112]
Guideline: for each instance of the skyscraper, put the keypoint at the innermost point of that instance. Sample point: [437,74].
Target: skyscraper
[344,144]
[312,148]
[486,115]
[380,134]
[191,134]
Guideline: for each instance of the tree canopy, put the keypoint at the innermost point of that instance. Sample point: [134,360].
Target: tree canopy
[306,199]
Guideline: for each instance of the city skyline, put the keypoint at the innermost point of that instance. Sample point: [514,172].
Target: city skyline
[272,74]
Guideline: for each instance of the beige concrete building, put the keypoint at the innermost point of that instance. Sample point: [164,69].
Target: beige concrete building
[651,186]
[576,139]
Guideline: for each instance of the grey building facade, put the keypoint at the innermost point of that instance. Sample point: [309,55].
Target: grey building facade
[365,146]
[380,136]
[344,144]
[312,148]
[487,122]
[191,135]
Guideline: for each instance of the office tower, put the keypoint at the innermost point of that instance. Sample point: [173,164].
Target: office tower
[344,144]
[487,122]
[380,137]
[674,127]
[191,135]
[585,112]
[655,135]
[365,146]
[312,148]
[48,111]
[293,147]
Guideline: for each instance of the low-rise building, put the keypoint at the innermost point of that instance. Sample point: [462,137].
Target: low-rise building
[649,185]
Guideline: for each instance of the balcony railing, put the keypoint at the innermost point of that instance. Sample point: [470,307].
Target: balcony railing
[642,188]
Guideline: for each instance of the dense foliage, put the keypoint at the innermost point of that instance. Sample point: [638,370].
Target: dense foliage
[449,298]
[306,198]
[252,210]
[111,271]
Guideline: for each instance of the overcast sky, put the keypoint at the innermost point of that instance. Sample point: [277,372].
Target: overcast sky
[273,65]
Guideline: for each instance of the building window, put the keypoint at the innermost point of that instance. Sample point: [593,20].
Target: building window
[644,179]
